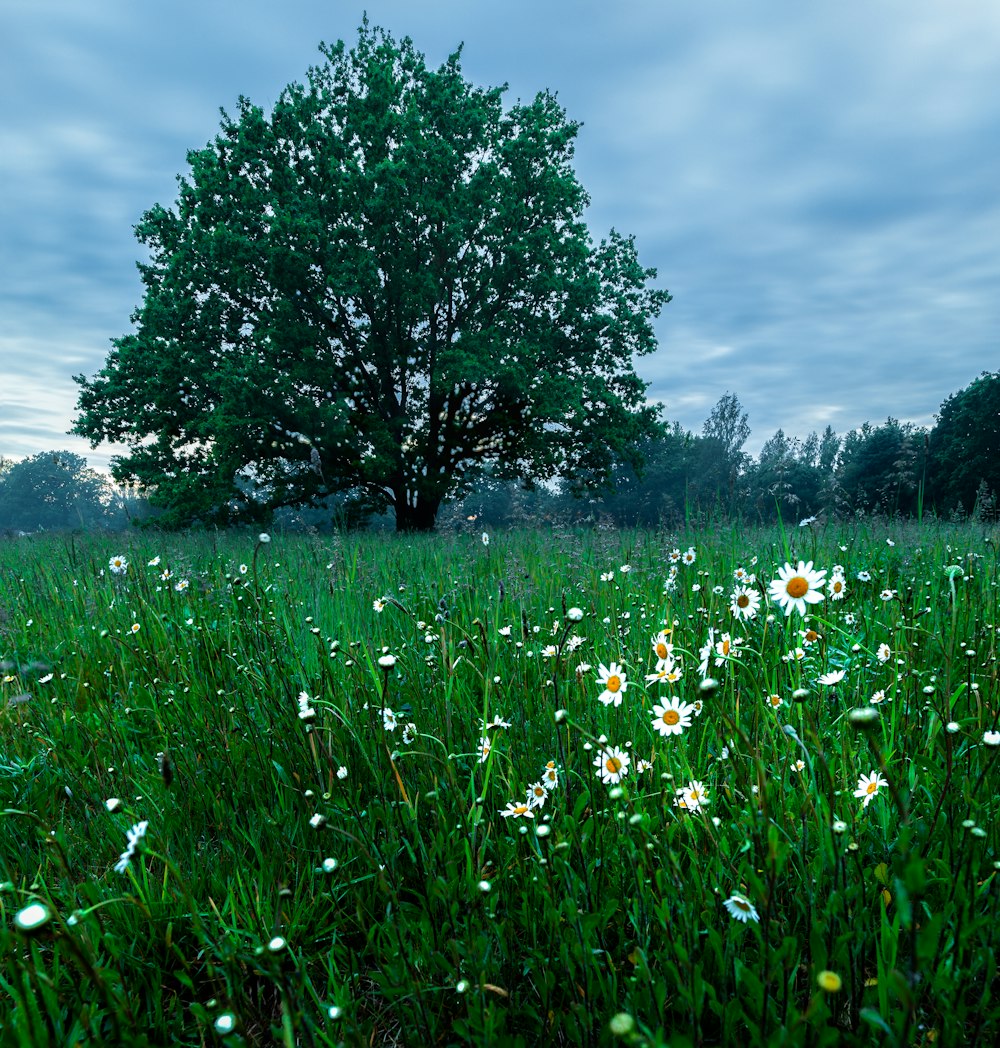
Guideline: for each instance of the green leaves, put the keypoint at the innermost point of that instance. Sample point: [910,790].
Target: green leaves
[384,285]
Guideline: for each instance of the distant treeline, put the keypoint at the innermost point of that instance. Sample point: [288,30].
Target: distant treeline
[894,468]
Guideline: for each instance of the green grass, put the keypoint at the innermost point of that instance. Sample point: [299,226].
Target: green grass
[321,880]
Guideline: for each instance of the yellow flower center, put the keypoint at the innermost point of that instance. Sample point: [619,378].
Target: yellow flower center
[740,904]
[694,795]
[613,764]
[837,586]
[724,647]
[661,650]
[614,682]
[671,717]
[812,636]
[872,787]
[743,601]
[775,700]
[520,809]
[797,587]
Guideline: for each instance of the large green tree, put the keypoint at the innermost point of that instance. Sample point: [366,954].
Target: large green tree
[964,451]
[52,490]
[383,286]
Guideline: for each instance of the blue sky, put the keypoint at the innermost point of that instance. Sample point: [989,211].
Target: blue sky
[815,183]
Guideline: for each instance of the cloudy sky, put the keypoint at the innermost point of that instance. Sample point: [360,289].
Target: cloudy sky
[817,184]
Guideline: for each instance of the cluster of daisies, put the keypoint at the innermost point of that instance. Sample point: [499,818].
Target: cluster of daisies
[535,796]
[794,589]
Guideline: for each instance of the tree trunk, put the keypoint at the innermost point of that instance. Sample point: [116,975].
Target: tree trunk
[420,517]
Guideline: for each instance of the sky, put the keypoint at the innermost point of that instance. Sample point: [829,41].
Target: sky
[817,185]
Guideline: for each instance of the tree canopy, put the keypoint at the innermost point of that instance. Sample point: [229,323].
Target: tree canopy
[53,489]
[965,444]
[383,286]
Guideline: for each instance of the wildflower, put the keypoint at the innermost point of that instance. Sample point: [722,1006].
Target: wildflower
[741,909]
[575,614]
[517,810]
[798,766]
[806,521]
[133,836]
[409,733]
[341,772]
[794,588]
[829,982]
[387,661]
[135,627]
[550,651]
[318,821]
[868,787]
[243,569]
[486,538]
[263,538]
[32,917]
[662,647]
[504,631]
[795,655]
[837,587]
[389,721]
[831,678]
[537,795]
[692,796]
[884,653]
[612,764]
[671,673]
[705,652]
[118,565]
[887,594]
[485,745]
[689,555]
[642,765]
[154,563]
[864,576]
[744,602]
[774,701]
[674,556]
[181,585]
[306,712]
[496,722]
[625,569]
[672,716]
[622,1025]
[727,648]
[613,679]
[878,697]
[991,738]
[607,576]
[378,605]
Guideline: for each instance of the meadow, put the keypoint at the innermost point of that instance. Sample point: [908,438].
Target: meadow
[546,787]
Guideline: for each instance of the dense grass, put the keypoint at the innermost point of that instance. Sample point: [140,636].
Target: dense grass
[311,874]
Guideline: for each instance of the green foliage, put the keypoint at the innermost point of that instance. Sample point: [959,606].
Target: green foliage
[881,467]
[382,286]
[51,490]
[964,450]
[215,687]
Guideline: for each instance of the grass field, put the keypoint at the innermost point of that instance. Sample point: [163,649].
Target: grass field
[378,790]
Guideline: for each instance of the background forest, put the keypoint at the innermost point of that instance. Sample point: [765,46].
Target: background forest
[891,468]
